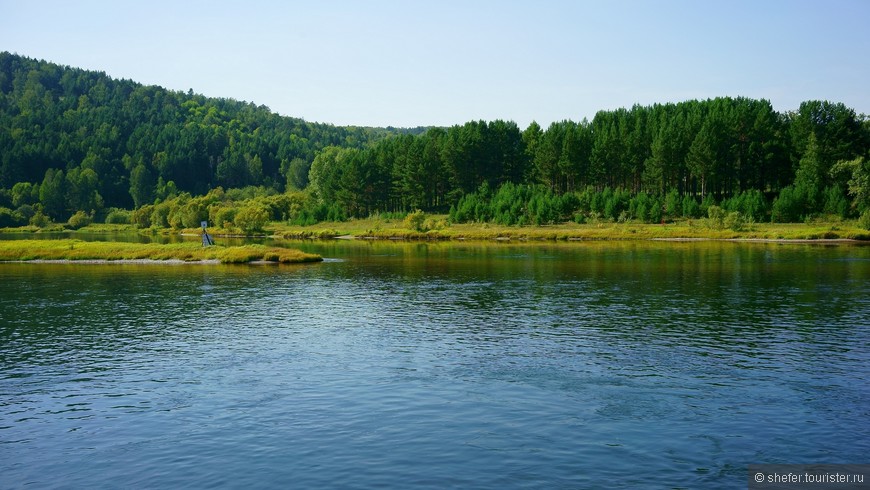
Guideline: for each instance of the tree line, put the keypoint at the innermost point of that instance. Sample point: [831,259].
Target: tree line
[105,143]
[73,140]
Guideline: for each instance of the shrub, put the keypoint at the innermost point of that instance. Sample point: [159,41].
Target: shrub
[751,204]
[40,220]
[142,217]
[735,221]
[790,205]
[26,211]
[79,220]
[160,215]
[864,220]
[252,218]
[9,218]
[221,216]
[691,208]
[835,202]
[415,220]
[193,213]
[716,216]
[118,217]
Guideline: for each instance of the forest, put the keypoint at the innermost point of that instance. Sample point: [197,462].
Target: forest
[79,146]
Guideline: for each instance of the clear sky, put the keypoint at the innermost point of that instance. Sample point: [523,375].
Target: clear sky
[444,62]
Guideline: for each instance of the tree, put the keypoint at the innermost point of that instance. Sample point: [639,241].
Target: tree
[857,172]
[81,190]
[52,194]
[141,185]
[296,173]
[701,159]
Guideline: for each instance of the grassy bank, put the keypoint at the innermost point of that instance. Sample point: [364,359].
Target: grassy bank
[379,228]
[694,229]
[72,250]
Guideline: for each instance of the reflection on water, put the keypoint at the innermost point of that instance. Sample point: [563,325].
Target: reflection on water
[433,365]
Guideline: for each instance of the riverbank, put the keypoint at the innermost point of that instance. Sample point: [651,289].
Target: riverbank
[396,229]
[374,228]
[71,250]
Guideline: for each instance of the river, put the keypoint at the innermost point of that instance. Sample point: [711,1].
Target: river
[433,365]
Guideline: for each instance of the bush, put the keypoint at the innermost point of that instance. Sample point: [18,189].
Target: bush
[790,206]
[79,220]
[221,216]
[40,220]
[864,220]
[716,216]
[751,204]
[735,221]
[10,218]
[415,220]
[252,218]
[118,217]
[691,208]
[835,202]
[193,213]
[142,217]
[26,211]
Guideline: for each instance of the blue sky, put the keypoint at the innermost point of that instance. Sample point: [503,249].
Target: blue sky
[415,63]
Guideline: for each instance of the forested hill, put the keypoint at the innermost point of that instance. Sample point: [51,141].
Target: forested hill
[78,121]
[74,140]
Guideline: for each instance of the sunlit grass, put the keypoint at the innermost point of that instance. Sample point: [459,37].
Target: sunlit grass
[380,228]
[69,249]
[684,229]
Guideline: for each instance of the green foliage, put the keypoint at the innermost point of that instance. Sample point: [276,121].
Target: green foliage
[160,215]
[141,217]
[716,217]
[119,217]
[793,204]
[137,139]
[315,212]
[26,211]
[24,193]
[40,220]
[864,220]
[83,141]
[222,216]
[673,204]
[51,193]
[252,217]
[10,218]
[835,202]
[79,219]
[857,175]
[415,220]
[750,203]
[734,221]
[691,208]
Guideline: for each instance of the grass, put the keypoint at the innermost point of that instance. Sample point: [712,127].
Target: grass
[685,229]
[381,228]
[70,249]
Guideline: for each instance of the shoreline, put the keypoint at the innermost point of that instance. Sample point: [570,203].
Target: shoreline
[68,251]
[117,261]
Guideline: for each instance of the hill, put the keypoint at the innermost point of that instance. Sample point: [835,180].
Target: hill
[79,142]
[86,123]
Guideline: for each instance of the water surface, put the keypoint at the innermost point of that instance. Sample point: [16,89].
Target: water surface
[418,365]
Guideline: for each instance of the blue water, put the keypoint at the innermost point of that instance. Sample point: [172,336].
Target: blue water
[632,365]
